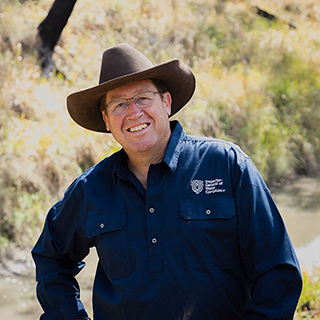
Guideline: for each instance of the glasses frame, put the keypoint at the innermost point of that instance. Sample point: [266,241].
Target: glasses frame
[127,101]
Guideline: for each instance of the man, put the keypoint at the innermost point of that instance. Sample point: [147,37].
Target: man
[184,227]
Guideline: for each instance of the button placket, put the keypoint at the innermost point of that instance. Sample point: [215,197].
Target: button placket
[153,228]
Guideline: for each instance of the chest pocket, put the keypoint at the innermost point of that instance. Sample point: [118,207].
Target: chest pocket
[108,232]
[209,232]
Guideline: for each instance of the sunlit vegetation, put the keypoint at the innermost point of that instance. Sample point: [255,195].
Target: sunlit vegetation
[309,303]
[258,85]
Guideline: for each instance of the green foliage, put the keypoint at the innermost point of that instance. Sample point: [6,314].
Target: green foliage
[309,303]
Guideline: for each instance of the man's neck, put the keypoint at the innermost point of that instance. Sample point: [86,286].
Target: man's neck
[139,165]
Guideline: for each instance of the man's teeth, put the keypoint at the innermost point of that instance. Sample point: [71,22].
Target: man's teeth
[138,128]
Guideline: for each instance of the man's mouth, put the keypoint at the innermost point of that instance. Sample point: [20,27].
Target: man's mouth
[138,128]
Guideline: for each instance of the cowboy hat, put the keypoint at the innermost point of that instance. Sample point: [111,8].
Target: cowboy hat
[121,65]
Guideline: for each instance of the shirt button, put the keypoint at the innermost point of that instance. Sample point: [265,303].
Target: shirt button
[154,240]
[102,225]
[208,212]
[151,210]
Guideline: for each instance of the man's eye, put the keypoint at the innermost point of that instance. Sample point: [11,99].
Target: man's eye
[142,98]
[119,106]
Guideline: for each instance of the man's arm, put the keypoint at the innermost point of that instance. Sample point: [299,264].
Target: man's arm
[275,294]
[58,256]
[267,254]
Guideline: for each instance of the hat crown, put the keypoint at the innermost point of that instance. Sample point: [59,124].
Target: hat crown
[122,60]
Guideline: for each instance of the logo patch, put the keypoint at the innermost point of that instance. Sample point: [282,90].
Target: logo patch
[210,186]
[197,186]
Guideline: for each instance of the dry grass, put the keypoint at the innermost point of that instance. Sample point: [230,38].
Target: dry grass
[257,81]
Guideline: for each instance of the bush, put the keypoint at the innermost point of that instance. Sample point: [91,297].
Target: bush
[257,85]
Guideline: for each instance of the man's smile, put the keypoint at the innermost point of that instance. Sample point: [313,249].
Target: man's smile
[139,127]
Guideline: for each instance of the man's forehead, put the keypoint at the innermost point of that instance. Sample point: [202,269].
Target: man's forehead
[131,88]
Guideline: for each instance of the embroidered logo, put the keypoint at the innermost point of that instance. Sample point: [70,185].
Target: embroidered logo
[210,186]
[197,186]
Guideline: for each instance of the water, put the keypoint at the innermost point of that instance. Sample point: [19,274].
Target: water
[17,291]
[298,202]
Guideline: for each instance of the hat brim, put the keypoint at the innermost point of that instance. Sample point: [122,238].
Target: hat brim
[84,105]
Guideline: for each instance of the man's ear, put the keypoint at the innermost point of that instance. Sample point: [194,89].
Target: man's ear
[106,120]
[167,100]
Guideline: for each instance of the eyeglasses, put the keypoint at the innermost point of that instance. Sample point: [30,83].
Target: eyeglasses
[142,100]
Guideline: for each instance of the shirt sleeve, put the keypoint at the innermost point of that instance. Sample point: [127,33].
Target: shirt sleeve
[58,256]
[267,254]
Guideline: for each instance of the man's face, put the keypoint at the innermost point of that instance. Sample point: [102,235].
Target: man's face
[140,131]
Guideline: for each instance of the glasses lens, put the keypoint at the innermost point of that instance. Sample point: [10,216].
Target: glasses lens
[118,106]
[144,99]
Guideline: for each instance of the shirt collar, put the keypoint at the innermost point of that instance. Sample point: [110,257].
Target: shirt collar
[172,154]
[120,165]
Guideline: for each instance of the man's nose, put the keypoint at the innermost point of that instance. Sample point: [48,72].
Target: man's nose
[133,110]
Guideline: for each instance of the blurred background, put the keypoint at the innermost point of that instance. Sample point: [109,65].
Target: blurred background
[257,65]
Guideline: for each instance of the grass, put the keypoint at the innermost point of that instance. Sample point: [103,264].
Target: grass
[257,85]
[309,303]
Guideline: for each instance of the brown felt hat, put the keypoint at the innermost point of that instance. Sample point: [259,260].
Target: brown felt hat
[121,65]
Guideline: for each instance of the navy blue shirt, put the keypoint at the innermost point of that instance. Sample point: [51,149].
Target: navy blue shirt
[203,241]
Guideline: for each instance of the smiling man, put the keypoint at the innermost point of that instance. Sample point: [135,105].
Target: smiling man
[184,227]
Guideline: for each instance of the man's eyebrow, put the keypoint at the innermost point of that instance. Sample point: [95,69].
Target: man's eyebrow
[120,96]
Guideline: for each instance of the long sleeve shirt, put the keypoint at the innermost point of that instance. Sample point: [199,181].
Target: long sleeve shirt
[203,241]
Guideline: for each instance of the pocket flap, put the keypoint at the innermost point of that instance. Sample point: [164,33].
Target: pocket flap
[105,222]
[193,209]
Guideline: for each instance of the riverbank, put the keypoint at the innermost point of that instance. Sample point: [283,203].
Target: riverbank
[257,85]
[17,286]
